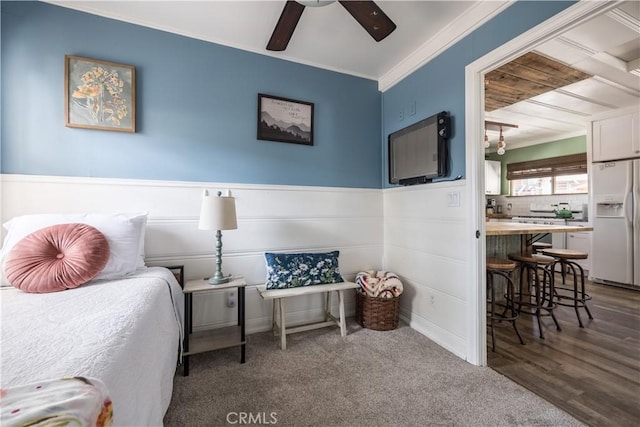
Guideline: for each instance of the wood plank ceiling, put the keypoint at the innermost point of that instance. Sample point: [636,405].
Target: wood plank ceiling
[525,77]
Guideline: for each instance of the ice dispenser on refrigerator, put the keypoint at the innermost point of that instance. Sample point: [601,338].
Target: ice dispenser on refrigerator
[610,206]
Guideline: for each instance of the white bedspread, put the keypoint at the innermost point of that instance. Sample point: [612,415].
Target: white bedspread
[126,333]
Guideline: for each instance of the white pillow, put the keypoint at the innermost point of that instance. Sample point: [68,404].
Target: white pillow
[124,232]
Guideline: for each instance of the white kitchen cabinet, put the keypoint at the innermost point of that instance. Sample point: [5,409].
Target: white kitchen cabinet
[579,241]
[616,137]
[559,240]
[492,177]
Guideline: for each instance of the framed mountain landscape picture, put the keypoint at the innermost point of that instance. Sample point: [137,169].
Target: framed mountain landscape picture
[285,120]
[99,94]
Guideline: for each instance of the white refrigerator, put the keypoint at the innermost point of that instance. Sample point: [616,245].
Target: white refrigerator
[615,250]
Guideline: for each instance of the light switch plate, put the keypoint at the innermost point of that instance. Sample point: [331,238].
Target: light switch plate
[453,199]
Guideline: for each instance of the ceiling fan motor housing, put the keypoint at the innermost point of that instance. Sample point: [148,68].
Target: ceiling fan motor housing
[315,3]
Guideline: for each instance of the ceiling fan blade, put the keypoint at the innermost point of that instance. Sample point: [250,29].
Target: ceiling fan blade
[371,17]
[286,25]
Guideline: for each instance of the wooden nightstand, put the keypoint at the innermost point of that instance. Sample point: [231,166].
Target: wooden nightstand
[214,339]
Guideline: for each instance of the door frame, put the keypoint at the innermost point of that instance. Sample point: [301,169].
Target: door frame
[569,18]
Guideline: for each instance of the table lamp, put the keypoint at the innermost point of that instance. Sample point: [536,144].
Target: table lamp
[218,213]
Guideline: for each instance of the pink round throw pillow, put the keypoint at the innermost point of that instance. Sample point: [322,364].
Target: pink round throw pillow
[56,258]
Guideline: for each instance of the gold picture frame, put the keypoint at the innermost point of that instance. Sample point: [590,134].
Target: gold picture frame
[99,94]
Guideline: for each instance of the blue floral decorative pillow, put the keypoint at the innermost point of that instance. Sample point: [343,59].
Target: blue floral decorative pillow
[305,269]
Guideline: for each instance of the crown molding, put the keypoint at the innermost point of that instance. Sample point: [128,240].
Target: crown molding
[465,24]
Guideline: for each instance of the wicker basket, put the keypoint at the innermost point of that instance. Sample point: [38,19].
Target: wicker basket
[380,314]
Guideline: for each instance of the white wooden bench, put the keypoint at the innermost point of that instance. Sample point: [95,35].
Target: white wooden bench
[279,295]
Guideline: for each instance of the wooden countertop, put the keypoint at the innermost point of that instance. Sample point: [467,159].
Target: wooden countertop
[499,215]
[512,228]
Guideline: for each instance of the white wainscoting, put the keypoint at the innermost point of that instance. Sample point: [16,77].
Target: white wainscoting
[424,242]
[410,231]
[270,218]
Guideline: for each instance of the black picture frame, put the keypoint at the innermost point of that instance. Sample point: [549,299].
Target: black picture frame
[285,120]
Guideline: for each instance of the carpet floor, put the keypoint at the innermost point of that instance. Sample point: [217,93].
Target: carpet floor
[371,378]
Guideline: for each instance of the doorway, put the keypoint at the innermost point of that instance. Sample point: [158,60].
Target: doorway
[603,392]
[474,130]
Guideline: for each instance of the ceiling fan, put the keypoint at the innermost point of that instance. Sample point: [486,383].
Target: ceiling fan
[367,13]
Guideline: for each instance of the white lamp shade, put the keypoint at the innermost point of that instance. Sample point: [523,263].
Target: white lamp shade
[217,212]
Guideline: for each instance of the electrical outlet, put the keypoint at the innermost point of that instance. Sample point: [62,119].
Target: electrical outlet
[401,116]
[433,299]
[231,299]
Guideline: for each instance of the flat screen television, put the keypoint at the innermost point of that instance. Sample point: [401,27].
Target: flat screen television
[419,153]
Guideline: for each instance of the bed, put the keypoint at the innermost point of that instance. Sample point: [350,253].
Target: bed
[124,331]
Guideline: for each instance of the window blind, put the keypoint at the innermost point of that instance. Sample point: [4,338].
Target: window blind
[564,165]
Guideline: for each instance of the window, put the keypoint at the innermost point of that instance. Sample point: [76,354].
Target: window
[556,175]
[571,184]
[532,186]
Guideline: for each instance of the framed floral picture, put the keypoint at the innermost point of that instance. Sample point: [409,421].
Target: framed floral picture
[285,120]
[99,94]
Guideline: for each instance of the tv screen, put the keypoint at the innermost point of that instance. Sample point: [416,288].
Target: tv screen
[418,153]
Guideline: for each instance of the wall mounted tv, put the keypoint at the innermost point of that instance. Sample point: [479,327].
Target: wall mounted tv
[418,153]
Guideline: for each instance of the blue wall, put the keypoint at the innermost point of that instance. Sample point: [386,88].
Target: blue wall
[197,102]
[196,108]
[439,84]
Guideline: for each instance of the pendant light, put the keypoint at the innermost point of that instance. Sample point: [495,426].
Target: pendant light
[486,138]
[494,127]
[501,144]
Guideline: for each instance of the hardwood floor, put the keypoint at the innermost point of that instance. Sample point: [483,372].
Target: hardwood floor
[592,373]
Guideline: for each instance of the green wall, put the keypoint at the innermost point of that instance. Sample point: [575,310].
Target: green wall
[560,147]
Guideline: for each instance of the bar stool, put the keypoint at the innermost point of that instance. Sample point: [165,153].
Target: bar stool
[576,295]
[539,246]
[540,298]
[505,269]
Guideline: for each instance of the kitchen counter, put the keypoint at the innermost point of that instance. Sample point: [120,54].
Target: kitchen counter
[499,215]
[509,216]
[503,238]
[514,228]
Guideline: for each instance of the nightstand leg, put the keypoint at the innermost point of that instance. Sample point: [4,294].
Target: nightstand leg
[187,332]
[241,323]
